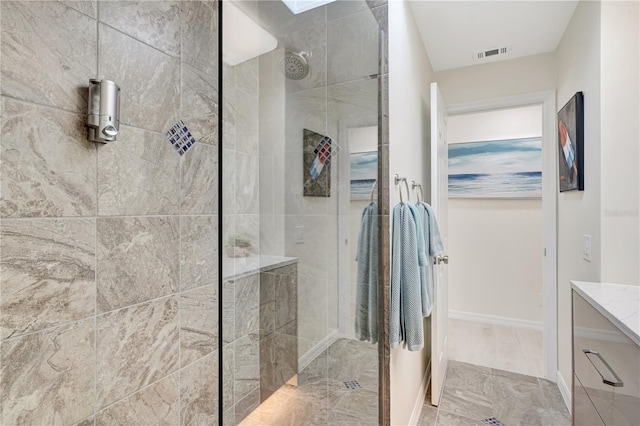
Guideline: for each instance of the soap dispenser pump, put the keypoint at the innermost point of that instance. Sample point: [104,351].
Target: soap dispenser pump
[104,111]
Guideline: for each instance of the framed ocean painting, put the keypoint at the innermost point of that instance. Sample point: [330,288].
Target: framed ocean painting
[364,172]
[510,168]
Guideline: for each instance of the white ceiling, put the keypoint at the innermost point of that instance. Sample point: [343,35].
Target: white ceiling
[453,30]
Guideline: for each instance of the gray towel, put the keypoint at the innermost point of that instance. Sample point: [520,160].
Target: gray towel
[407,257]
[433,247]
[367,282]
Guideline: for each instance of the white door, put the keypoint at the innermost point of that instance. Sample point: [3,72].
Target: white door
[439,202]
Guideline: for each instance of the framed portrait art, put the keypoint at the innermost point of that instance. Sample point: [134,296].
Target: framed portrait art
[571,144]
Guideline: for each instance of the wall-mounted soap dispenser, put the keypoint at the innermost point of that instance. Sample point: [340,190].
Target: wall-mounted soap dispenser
[104,111]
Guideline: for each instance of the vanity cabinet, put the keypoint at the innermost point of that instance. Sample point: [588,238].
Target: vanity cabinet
[584,412]
[606,367]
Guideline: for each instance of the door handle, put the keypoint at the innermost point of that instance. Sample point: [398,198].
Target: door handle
[611,379]
[441,259]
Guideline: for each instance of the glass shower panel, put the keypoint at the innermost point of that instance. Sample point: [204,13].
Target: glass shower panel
[300,145]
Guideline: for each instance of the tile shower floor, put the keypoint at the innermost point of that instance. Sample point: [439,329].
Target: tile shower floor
[473,393]
[322,397]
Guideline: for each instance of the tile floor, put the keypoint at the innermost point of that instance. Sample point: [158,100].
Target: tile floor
[505,348]
[321,397]
[473,393]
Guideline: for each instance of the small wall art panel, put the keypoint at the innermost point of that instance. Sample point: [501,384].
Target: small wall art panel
[571,144]
[317,164]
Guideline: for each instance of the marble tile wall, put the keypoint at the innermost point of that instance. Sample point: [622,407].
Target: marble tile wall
[338,95]
[242,168]
[272,101]
[108,253]
[241,163]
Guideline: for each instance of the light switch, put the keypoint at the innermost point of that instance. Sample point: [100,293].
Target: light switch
[586,251]
[299,234]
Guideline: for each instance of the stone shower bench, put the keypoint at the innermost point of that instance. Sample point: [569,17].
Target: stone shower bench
[274,304]
[243,266]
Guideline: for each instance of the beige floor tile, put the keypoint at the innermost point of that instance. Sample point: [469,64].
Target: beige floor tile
[505,348]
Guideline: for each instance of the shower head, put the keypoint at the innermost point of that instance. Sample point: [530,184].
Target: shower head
[296,65]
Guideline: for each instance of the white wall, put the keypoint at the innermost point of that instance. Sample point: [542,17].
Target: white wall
[599,55]
[495,245]
[409,134]
[579,211]
[620,129]
[530,74]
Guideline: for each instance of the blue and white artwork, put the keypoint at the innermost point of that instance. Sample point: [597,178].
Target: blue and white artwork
[509,168]
[364,172]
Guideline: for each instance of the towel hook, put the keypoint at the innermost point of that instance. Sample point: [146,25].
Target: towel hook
[400,190]
[373,188]
[413,186]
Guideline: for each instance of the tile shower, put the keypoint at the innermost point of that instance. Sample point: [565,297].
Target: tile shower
[109,254]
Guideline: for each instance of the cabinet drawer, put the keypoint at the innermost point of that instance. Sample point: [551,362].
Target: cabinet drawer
[584,413]
[607,364]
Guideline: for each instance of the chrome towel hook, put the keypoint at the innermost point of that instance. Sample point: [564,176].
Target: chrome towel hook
[419,186]
[400,190]
[397,179]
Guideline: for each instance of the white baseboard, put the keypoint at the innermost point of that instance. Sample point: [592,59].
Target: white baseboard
[317,349]
[422,393]
[493,319]
[564,391]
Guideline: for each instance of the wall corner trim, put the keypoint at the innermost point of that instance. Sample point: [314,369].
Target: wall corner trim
[564,391]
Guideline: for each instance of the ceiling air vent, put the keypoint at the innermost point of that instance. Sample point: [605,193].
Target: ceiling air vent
[488,53]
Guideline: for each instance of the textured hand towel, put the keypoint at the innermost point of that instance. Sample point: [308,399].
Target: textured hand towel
[407,256]
[433,248]
[367,282]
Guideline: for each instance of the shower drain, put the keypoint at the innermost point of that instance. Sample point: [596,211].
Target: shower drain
[352,384]
[492,421]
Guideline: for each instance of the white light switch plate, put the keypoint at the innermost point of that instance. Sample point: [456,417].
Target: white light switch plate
[586,251]
[299,234]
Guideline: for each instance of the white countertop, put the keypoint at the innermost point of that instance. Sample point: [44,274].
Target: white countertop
[619,303]
[241,266]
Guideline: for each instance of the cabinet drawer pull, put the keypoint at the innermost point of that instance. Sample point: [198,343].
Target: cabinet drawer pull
[611,379]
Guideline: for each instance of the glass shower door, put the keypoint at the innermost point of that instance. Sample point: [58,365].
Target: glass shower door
[300,144]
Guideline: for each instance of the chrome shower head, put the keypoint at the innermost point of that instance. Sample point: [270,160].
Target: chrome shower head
[296,65]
